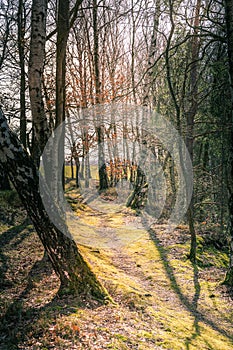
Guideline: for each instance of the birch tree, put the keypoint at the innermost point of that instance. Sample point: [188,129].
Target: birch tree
[35,75]
[21,21]
[73,271]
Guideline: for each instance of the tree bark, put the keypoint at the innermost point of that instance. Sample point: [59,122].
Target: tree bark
[229,29]
[190,115]
[191,112]
[61,45]
[62,37]
[103,178]
[21,48]
[35,75]
[148,88]
[74,273]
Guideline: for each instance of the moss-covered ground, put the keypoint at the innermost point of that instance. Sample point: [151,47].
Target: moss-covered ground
[162,301]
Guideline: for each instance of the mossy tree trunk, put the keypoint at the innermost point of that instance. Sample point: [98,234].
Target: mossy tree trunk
[74,273]
[136,199]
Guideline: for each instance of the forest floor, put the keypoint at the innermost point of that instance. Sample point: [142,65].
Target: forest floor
[162,301]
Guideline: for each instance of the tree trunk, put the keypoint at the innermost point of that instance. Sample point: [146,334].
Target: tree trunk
[148,88]
[136,199]
[62,37]
[229,29]
[74,273]
[35,75]
[21,49]
[70,127]
[191,112]
[103,178]
[77,164]
[190,115]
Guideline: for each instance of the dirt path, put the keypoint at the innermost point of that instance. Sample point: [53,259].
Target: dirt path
[163,302]
[147,269]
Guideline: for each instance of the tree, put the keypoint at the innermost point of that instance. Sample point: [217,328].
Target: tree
[35,75]
[103,179]
[21,19]
[178,102]
[74,273]
[229,31]
[62,37]
[148,93]
[4,180]
[190,115]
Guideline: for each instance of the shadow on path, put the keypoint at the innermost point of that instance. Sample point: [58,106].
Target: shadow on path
[191,306]
[20,322]
[6,238]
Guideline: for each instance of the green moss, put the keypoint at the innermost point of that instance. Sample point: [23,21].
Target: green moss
[120,337]
[159,288]
[9,198]
[3,227]
[210,256]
